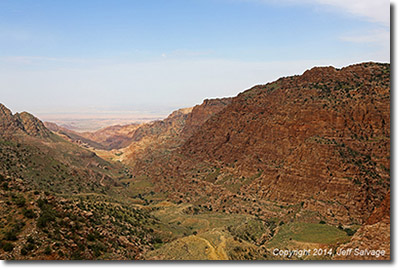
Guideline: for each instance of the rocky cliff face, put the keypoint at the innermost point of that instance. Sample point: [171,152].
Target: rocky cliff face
[109,138]
[373,236]
[74,137]
[201,113]
[155,141]
[23,123]
[321,139]
[172,124]
[113,137]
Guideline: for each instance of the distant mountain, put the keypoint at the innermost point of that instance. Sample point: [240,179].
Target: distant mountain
[152,140]
[73,136]
[120,136]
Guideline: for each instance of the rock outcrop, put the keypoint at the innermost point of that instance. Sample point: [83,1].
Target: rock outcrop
[372,240]
[321,139]
[21,123]
[201,113]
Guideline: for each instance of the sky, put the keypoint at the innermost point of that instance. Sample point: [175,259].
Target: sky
[156,56]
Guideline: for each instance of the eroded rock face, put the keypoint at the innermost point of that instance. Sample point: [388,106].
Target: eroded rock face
[31,125]
[173,123]
[322,139]
[113,137]
[201,113]
[373,236]
[7,123]
[151,141]
[21,123]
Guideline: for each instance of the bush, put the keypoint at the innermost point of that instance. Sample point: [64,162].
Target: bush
[29,213]
[5,186]
[91,237]
[20,201]
[322,222]
[98,249]
[76,255]
[349,231]
[47,214]
[44,219]
[31,240]
[28,247]
[7,246]
[24,252]
[11,235]
[47,250]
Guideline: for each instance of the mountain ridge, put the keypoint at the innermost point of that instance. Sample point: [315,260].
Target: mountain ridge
[274,167]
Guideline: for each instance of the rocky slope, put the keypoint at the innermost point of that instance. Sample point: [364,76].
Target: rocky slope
[201,113]
[321,139]
[35,225]
[113,137]
[373,236]
[181,123]
[109,138]
[54,201]
[302,162]
[73,136]
[20,123]
[153,142]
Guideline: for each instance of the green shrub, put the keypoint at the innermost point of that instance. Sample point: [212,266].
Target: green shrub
[44,219]
[47,213]
[7,247]
[91,237]
[76,255]
[28,213]
[24,252]
[349,231]
[98,249]
[28,247]
[11,235]
[19,201]
[47,250]
[5,186]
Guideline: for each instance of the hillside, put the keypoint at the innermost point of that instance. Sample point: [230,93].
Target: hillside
[299,163]
[108,138]
[54,202]
[20,123]
[322,139]
[154,141]
[73,136]
[310,148]
[373,235]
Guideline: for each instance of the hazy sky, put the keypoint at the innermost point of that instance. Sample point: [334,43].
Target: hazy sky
[125,55]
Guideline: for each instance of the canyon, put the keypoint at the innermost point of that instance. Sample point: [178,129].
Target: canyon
[301,162]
